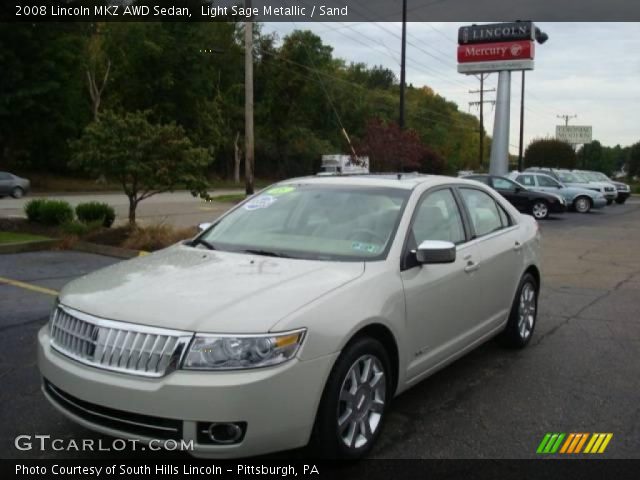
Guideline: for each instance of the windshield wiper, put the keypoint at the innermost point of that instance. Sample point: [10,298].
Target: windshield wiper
[266,253]
[202,241]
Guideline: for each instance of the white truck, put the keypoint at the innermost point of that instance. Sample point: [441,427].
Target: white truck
[343,164]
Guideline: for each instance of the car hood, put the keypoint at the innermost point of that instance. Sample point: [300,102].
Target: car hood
[572,192]
[188,288]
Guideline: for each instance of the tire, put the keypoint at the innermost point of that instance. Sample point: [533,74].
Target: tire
[582,204]
[17,192]
[540,209]
[620,201]
[339,430]
[609,201]
[523,315]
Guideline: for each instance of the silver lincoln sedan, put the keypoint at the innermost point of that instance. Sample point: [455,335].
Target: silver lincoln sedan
[296,317]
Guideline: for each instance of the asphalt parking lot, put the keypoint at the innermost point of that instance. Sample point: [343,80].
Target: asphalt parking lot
[581,372]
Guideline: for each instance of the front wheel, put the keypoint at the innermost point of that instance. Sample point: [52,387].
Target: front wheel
[523,315]
[620,201]
[582,204]
[354,401]
[540,209]
[609,201]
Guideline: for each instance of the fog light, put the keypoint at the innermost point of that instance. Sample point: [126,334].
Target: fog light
[221,433]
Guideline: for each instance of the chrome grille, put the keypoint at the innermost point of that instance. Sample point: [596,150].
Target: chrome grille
[117,346]
[608,189]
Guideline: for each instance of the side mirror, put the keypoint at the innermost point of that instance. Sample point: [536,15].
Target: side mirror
[518,189]
[204,226]
[436,251]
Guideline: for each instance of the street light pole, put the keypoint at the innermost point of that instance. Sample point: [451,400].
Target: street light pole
[403,59]
[248,105]
[520,159]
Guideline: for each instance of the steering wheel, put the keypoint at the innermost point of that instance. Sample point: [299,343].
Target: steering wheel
[371,235]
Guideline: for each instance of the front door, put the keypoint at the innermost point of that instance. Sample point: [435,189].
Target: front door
[439,297]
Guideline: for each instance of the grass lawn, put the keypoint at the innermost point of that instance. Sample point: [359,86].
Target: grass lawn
[232,198]
[12,237]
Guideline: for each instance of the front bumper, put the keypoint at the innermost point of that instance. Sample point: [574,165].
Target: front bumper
[599,202]
[278,404]
[623,195]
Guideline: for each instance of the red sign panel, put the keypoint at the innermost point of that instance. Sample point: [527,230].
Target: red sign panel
[491,52]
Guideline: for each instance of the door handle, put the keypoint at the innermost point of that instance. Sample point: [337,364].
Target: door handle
[471,266]
[517,247]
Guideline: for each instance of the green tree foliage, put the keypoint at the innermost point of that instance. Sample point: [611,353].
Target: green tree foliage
[145,158]
[633,161]
[192,74]
[549,152]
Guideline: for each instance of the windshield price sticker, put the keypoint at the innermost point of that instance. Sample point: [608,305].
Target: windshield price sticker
[281,190]
[263,201]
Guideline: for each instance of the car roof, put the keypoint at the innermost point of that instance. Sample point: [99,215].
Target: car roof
[406,181]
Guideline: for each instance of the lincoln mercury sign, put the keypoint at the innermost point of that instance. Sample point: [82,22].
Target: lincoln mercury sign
[496,32]
[574,134]
[496,47]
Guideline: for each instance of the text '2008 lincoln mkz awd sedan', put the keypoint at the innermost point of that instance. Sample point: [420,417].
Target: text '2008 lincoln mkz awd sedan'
[295,317]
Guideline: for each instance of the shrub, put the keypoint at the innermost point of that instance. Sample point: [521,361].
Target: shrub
[156,237]
[80,229]
[55,212]
[96,212]
[49,212]
[33,209]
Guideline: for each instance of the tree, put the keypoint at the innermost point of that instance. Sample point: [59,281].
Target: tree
[549,152]
[390,148]
[145,158]
[633,161]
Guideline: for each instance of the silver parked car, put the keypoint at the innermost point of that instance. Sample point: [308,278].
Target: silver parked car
[576,179]
[624,190]
[13,185]
[296,316]
[581,200]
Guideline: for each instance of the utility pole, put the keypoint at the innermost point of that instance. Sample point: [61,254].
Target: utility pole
[403,58]
[248,105]
[520,146]
[566,118]
[481,103]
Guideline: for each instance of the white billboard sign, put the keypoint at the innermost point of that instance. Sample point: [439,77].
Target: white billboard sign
[574,134]
[495,66]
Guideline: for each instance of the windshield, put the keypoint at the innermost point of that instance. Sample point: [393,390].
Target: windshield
[568,177]
[311,221]
[582,177]
[599,177]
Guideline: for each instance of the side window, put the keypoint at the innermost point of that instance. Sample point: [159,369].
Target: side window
[438,218]
[504,217]
[503,184]
[526,180]
[545,181]
[5,176]
[485,213]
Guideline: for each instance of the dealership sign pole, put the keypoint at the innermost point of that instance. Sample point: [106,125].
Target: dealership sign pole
[498,47]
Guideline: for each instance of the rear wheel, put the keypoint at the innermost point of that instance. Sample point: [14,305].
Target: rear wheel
[354,401]
[17,192]
[524,312]
[540,209]
[582,204]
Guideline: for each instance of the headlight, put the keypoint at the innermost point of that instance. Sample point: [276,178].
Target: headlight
[56,302]
[232,352]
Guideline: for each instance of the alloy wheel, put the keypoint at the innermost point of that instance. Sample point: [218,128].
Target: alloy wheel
[540,210]
[583,205]
[526,310]
[362,401]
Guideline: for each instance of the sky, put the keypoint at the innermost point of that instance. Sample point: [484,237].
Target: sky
[591,70]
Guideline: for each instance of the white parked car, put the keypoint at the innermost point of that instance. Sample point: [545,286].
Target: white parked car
[296,316]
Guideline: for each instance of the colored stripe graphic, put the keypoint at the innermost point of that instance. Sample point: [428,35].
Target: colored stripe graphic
[573,444]
[598,443]
[550,443]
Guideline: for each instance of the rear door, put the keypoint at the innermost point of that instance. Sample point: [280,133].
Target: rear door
[496,236]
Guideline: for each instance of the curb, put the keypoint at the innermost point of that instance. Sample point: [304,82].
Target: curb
[107,250]
[33,246]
